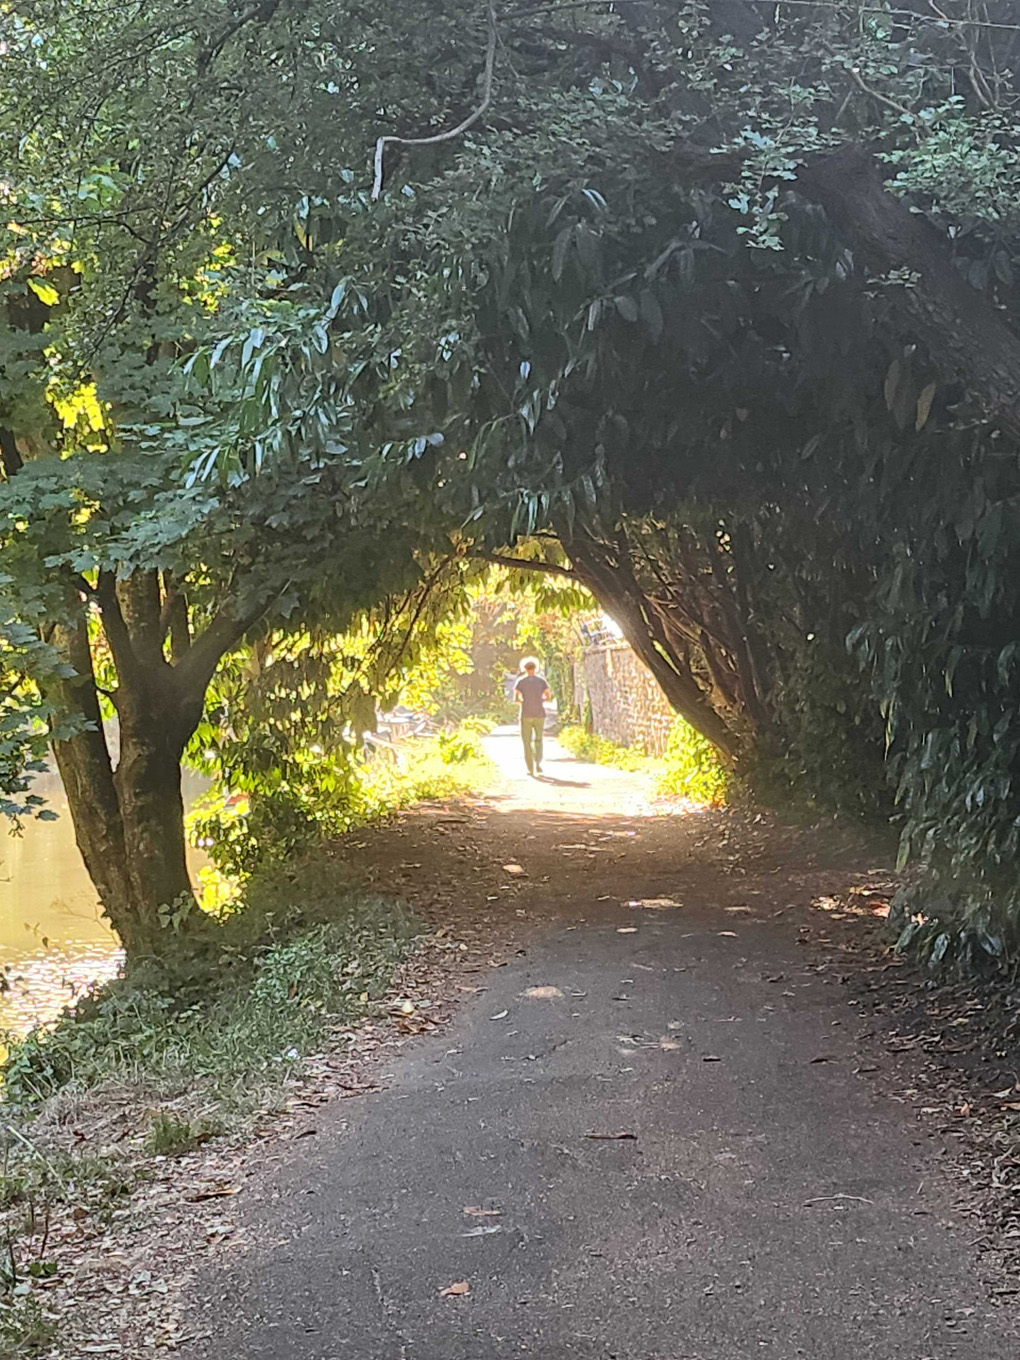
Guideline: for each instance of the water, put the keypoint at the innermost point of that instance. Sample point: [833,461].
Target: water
[54,943]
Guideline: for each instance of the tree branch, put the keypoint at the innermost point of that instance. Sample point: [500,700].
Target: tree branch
[114,626]
[963,330]
[469,121]
[526,564]
[173,618]
[195,669]
[559,8]
[649,81]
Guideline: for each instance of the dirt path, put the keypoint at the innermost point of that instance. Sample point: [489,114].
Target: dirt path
[657,1128]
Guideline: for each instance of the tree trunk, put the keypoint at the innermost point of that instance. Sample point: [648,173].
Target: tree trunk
[84,764]
[129,817]
[128,822]
[148,784]
[614,586]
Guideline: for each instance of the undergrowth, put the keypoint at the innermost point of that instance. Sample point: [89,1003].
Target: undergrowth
[690,768]
[304,954]
[600,751]
[325,798]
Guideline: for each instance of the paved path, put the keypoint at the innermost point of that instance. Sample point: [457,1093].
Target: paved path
[659,1113]
[568,786]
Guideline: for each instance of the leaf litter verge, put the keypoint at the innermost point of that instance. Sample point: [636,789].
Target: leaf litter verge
[116,1283]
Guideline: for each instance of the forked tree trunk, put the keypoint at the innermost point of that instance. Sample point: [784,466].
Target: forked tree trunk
[134,851]
[129,816]
[128,819]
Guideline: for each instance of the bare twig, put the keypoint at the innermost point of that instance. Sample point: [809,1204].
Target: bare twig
[825,1199]
[451,133]
[558,8]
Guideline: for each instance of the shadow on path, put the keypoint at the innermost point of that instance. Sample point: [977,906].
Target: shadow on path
[648,1137]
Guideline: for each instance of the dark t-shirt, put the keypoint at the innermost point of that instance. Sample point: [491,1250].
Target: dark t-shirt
[531,688]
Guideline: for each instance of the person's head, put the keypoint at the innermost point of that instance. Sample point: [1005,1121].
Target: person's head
[529,665]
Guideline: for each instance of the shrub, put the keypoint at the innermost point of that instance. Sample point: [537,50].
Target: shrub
[599,751]
[327,797]
[458,747]
[26,1328]
[693,769]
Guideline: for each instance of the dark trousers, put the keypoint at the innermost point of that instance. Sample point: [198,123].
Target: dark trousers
[531,736]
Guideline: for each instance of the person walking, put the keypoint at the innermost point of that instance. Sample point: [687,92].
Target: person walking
[532,693]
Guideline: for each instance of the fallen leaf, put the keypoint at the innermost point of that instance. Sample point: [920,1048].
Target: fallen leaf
[513,869]
[476,1211]
[213,1192]
[543,993]
[500,1015]
[825,1057]
[626,930]
[483,1230]
[730,934]
[655,903]
[613,1137]
[455,1291]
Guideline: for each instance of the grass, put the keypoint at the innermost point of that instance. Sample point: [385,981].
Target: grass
[171,1135]
[307,953]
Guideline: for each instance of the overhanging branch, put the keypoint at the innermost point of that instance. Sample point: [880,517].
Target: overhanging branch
[451,133]
[526,564]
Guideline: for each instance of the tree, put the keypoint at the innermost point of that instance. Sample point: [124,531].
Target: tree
[703,291]
[148,200]
[707,292]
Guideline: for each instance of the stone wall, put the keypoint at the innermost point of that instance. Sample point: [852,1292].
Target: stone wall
[626,704]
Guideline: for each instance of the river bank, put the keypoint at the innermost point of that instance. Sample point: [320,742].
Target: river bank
[54,941]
